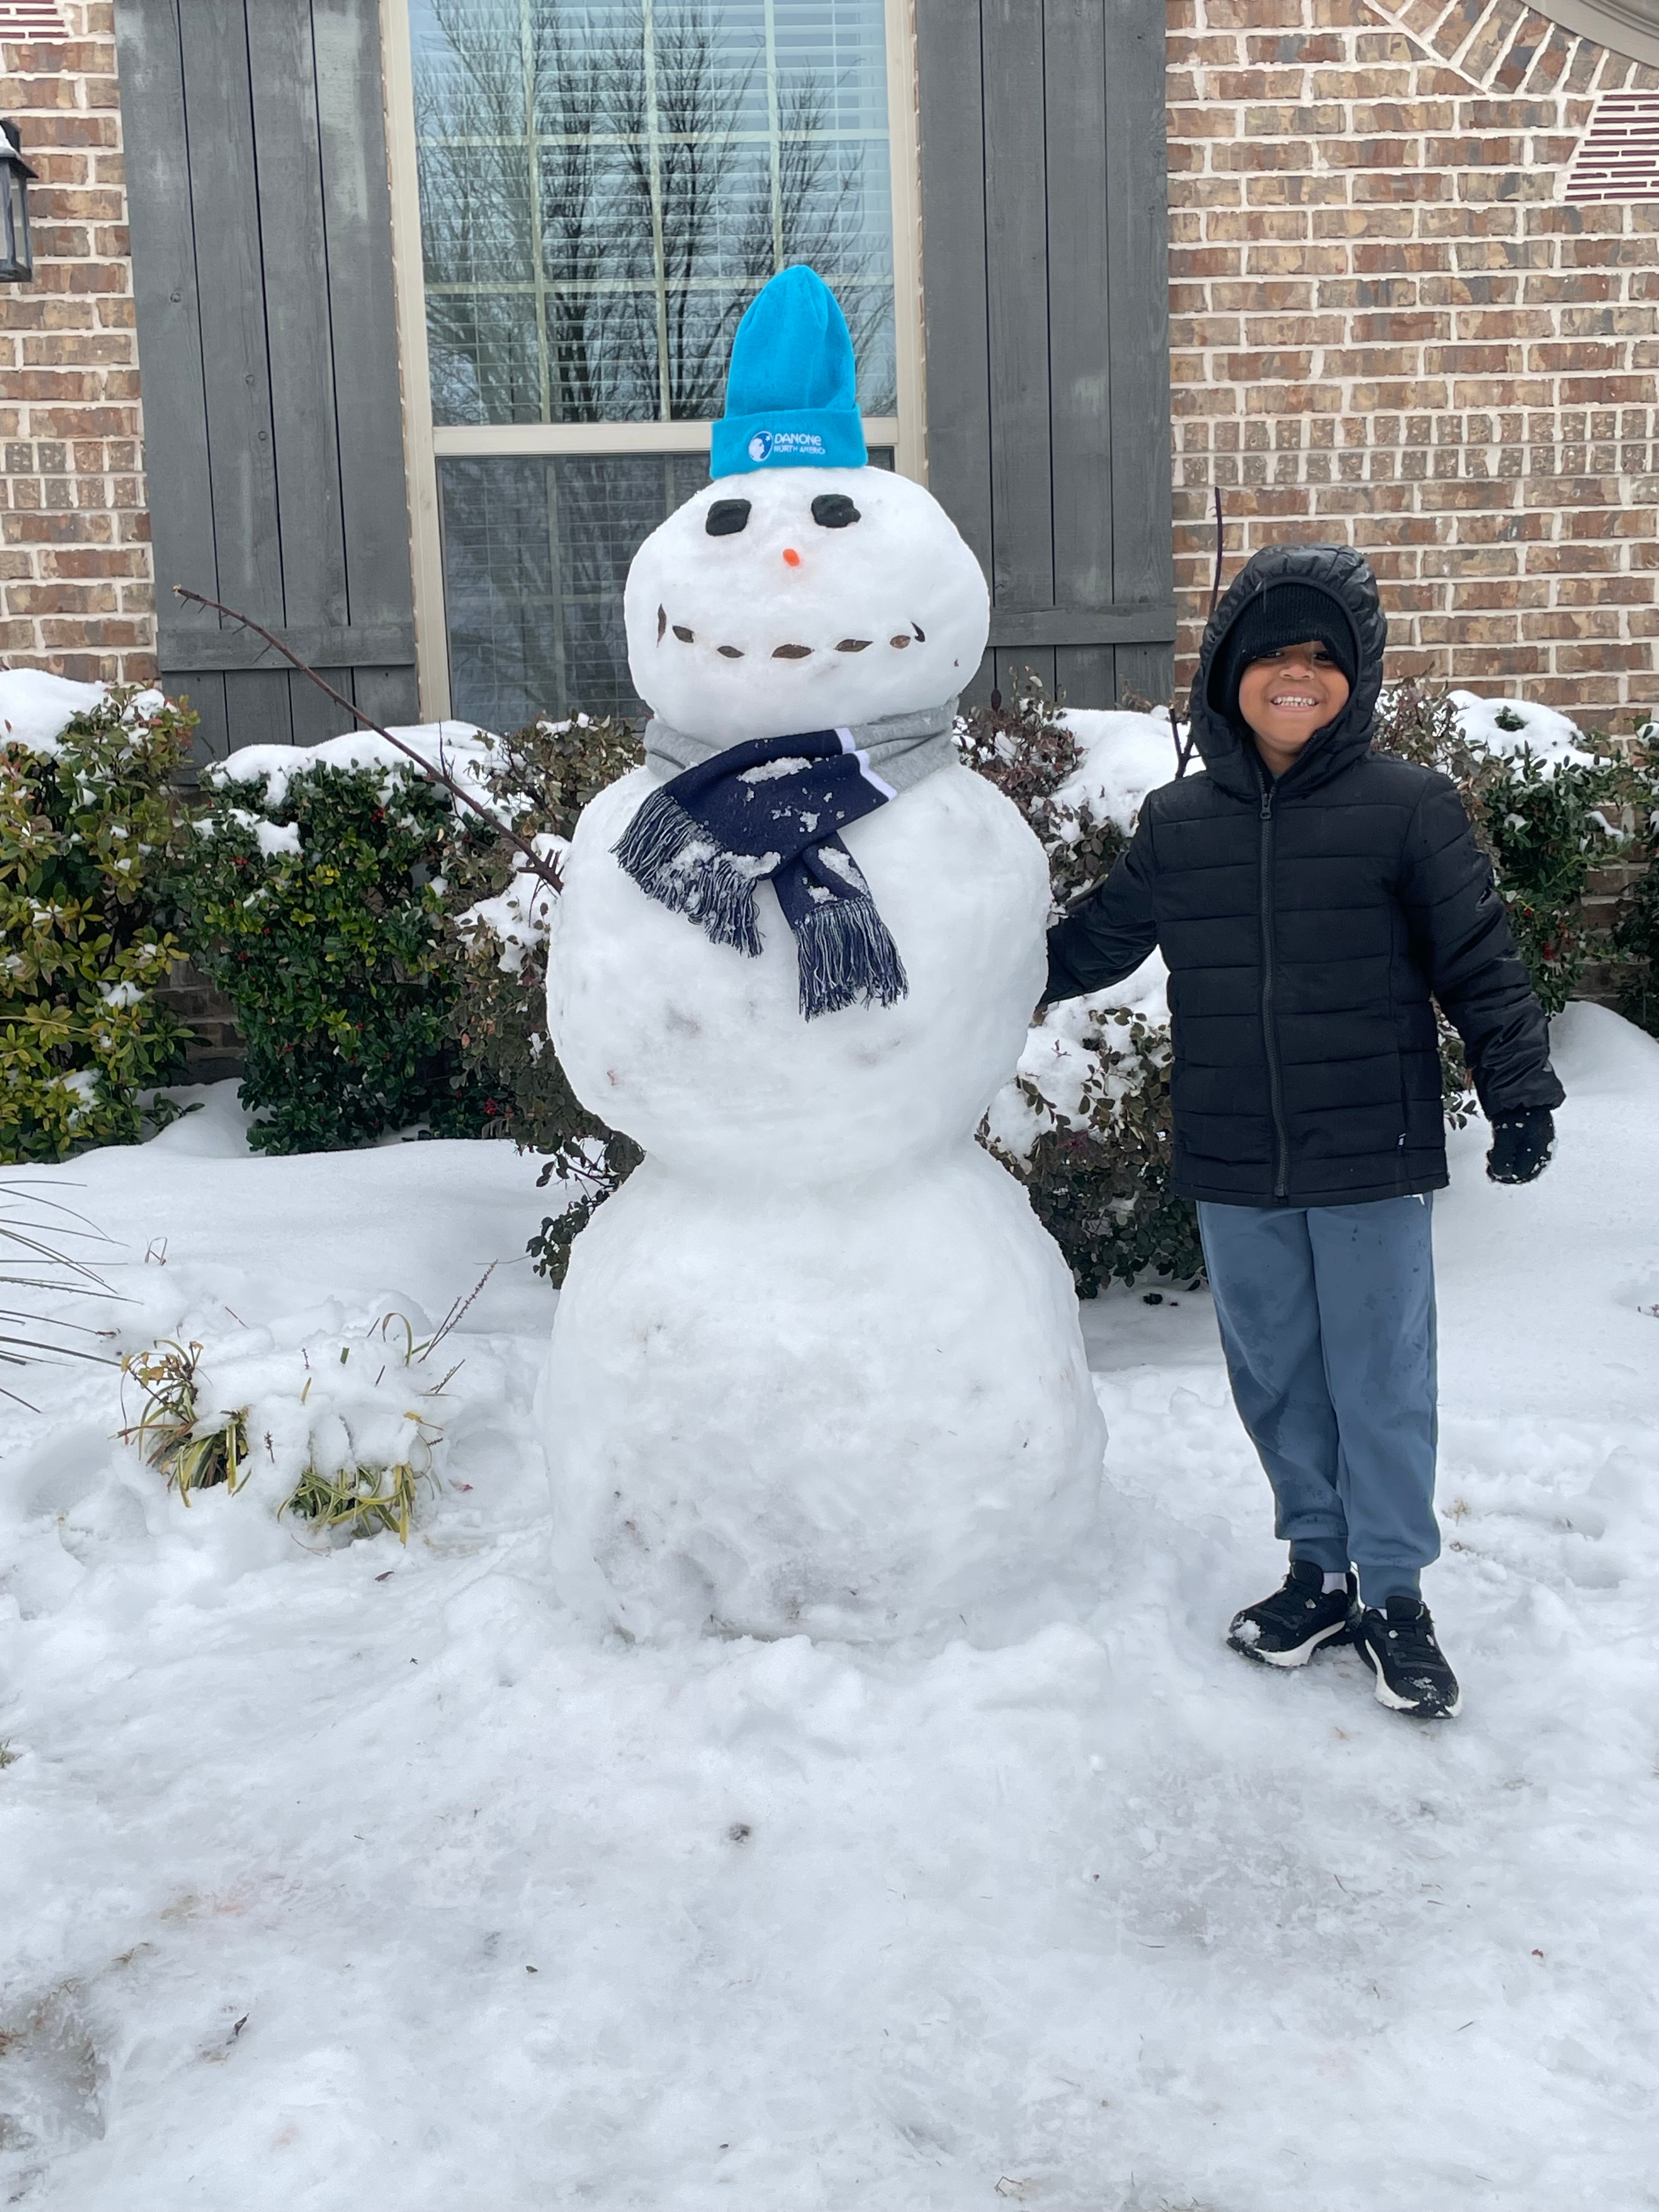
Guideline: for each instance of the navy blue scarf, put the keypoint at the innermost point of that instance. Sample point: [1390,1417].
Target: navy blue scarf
[771,809]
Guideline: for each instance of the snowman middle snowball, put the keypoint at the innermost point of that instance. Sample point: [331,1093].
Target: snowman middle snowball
[816,1366]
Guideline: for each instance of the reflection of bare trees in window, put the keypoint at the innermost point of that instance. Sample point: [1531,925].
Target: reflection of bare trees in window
[678,179]
[819,206]
[477,226]
[597,211]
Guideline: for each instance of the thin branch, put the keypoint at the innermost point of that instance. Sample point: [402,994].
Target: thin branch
[528,853]
[1220,548]
[451,1318]
[1184,747]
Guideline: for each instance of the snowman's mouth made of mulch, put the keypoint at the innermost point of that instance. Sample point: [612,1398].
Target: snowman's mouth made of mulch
[916,634]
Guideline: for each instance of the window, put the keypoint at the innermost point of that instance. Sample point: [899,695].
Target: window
[600,187]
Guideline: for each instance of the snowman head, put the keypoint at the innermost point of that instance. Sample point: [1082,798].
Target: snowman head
[802,590]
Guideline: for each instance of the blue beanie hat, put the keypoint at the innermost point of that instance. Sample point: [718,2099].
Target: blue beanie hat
[791,392]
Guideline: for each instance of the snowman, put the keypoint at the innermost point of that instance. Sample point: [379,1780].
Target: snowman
[817,1368]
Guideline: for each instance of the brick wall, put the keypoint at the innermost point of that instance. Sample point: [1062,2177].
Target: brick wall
[1388,328]
[76,594]
[75,589]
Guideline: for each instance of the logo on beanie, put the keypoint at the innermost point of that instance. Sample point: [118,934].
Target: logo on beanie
[787,444]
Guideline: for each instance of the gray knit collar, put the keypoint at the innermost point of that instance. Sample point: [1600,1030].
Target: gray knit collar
[902,749]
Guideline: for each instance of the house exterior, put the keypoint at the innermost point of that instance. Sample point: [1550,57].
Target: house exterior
[397,325]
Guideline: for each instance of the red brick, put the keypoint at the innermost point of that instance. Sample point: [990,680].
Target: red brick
[1609,654]
[103,561]
[99,632]
[59,598]
[70,202]
[83,421]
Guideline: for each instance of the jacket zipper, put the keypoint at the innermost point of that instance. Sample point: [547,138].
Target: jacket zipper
[1275,1088]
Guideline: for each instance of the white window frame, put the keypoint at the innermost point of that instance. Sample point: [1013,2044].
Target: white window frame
[426,442]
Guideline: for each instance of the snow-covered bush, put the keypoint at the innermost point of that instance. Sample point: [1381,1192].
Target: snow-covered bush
[1542,799]
[1636,928]
[540,780]
[1025,747]
[89,818]
[1086,1123]
[311,895]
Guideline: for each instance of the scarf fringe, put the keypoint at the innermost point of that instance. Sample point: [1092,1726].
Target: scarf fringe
[846,957]
[708,890]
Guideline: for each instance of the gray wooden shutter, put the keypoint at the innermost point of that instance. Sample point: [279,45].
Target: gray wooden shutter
[268,356]
[1044,274]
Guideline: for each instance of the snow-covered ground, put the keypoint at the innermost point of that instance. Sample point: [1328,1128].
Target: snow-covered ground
[360,1878]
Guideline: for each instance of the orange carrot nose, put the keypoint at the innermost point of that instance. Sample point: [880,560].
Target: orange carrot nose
[792,556]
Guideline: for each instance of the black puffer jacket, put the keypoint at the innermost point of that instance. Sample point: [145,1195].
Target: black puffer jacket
[1308,925]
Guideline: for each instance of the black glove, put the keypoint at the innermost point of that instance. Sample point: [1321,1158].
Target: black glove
[1522,1146]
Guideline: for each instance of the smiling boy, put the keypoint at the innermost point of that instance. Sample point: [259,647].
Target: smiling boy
[1313,900]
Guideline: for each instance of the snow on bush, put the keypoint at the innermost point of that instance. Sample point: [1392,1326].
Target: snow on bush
[37,707]
[460,751]
[516,923]
[1509,726]
[1124,756]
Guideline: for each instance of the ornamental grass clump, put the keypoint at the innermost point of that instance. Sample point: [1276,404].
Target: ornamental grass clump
[170,1434]
[90,824]
[359,1499]
[337,1431]
[37,1232]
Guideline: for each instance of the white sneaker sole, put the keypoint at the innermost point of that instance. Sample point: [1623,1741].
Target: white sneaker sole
[1385,1696]
[1297,1656]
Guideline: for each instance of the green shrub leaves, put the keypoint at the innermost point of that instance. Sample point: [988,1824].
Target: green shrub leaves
[88,826]
[309,900]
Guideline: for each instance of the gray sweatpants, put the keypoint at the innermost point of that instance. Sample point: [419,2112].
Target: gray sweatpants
[1327,1316]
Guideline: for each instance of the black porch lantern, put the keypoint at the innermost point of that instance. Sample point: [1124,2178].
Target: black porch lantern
[16,253]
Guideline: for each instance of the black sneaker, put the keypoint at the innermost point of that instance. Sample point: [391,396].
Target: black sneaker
[1399,1647]
[1286,1629]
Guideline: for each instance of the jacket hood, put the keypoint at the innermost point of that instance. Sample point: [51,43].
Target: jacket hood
[1344,576]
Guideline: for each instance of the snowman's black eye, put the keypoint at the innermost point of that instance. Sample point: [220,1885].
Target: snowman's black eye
[833,510]
[726,517]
